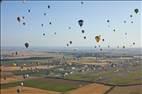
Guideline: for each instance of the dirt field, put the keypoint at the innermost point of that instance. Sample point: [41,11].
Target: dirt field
[11,79]
[90,89]
[127,90]
[27,90]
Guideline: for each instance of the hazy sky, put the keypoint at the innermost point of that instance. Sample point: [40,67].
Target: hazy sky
[64,14]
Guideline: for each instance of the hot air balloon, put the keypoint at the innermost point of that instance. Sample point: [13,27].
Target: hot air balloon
[114,30]
[82,2]
[69,27]
[123,46]
[26,44]
[108,21]
[83,31]
[18,91]
[42,25]
[108,46]
[16,53]
[125,21]
[43,34]
[131,16]
[80,22]
[101,49]
[22,83]
[23,17]
[29,10]
[84,37]
[48,6]
[103,39]
[70,42]
[99,46]
[24,23]
[136,10]
[54,33]
[67,45]
[44,14]
[50,23]
[97,38]
[18,19]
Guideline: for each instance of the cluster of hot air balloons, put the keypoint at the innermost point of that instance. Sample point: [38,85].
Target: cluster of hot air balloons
[21,18]
[80,22]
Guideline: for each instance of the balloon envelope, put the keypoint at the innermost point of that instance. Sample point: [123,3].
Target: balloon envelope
[80,22]
[136,10]
[83,31]
[108,21]
[48,6]
[97,38]
[18,19]
[26,44]
[70,42]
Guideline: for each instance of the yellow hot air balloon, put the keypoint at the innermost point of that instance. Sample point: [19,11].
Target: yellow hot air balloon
[97,38]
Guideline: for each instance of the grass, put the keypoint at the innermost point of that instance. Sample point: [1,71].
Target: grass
[8,85]
[45,84]
[109,77]
[62,87]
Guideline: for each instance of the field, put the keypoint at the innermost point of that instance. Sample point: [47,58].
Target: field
[27,90]
[42,73]
[127,90]
[58,85]
[91,89]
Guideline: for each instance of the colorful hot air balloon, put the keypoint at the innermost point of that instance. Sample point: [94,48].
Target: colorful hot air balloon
[97,38]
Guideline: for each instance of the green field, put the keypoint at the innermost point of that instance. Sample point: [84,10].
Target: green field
[58,85]
[110,77]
